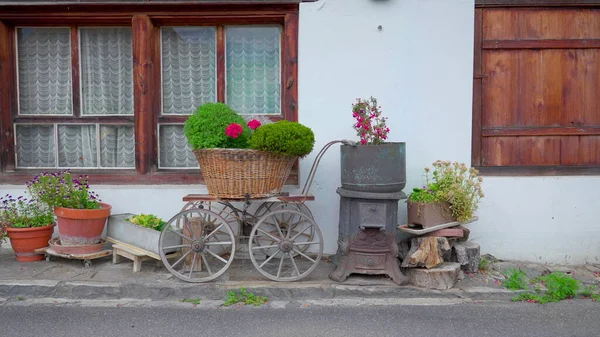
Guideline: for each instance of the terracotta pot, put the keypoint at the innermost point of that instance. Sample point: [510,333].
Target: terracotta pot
[81,226]
[57,246]
[25,241]
[429,214]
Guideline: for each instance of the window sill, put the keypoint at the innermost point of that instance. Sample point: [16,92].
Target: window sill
[129,177]
[528,171]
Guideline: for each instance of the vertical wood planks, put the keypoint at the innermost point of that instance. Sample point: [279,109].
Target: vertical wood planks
[8,97]
[289,94]
[143,44]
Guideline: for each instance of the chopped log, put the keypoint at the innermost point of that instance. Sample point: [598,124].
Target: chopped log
[427,252]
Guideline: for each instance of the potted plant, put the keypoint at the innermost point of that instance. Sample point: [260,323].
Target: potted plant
[28,224]
[81,215]
[373,165]
[451,194]
[239,159]
[139,230]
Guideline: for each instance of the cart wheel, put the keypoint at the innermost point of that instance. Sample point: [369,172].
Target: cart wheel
[87,263]
[225,210]
[203,244]
[291,264]
[268,207]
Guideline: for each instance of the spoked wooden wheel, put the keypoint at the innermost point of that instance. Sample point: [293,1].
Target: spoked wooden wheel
[197,245]
[267,207]
[288,262]
[226,211]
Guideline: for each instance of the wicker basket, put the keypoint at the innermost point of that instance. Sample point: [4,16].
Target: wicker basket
[240,173]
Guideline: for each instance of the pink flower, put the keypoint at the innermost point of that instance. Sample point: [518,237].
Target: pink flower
[234,130]
[363,141]
[254,124]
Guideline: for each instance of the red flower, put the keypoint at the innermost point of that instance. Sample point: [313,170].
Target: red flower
[234,130]
[254,124]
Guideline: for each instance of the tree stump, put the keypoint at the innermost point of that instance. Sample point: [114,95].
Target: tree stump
[427,252]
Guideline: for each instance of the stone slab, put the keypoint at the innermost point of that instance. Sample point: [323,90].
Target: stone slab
[441,277]
[467,254]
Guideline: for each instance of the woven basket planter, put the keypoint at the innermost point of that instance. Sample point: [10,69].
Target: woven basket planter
[240,173]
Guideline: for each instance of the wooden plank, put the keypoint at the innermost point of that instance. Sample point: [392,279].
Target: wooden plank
[500,89]
[540,131]
[542,24]
[289,80]
[518,151]
[530,3]
[580,150]
[208,197]
[221,64]
[143,43]
[7,98]
[75,80]
[110,177]
[541,44]
[132,249]
[525,171]
[477,91]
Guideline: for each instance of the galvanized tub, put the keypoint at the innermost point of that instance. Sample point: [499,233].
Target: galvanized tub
[144,238]
[374,168]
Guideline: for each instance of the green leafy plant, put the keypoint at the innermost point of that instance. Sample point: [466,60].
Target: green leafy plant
[559,286]
[595,297]
[194,301]
[588,291]
[244,297]
[517,280]
[148,220]
[60,189]
[23,213]
[284,137]
[454,183]
[484,264]
[206,128]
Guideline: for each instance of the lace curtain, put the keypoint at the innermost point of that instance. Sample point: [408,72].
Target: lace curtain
[44,58]
[253,69]
[75,145]
[106,71]
[188,68]
[174,150]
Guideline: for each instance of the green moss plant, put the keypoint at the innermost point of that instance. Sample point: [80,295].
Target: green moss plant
[285,138]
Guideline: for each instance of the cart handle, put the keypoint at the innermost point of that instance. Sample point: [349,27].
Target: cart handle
[313,169]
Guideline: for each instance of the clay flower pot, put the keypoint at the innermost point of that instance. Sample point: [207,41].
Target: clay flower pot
[81,226]
[25,241]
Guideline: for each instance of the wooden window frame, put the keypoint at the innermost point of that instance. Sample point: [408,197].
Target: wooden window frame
[478,76]
[145,21]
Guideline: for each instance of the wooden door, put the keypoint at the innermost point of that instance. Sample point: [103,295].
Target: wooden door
[537,87]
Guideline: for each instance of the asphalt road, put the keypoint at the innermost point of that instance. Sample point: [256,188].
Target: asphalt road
[568,318]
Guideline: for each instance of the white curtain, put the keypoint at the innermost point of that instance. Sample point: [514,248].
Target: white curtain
[253,65]
[44,57]
[117,146]
[35,145]
[175,152]
[77,146]
[188,68]
[106,71]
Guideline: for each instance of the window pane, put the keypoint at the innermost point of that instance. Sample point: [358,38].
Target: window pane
[106,71]
[188,68]
[175,152]
[35,145]
[117,146]
[44,57]
[77,146]
[253,69]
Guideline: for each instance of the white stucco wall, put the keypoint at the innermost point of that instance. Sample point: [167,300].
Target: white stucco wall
[419,66]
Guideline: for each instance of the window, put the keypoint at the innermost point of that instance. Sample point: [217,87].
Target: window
[536,92]
[110,96]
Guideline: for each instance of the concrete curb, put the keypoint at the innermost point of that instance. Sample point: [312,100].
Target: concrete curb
[88,290]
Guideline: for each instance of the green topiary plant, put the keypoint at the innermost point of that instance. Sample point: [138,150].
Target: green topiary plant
[206,128]
[284,137]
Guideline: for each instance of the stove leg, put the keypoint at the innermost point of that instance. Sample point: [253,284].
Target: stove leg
[341,272]
[393,270]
